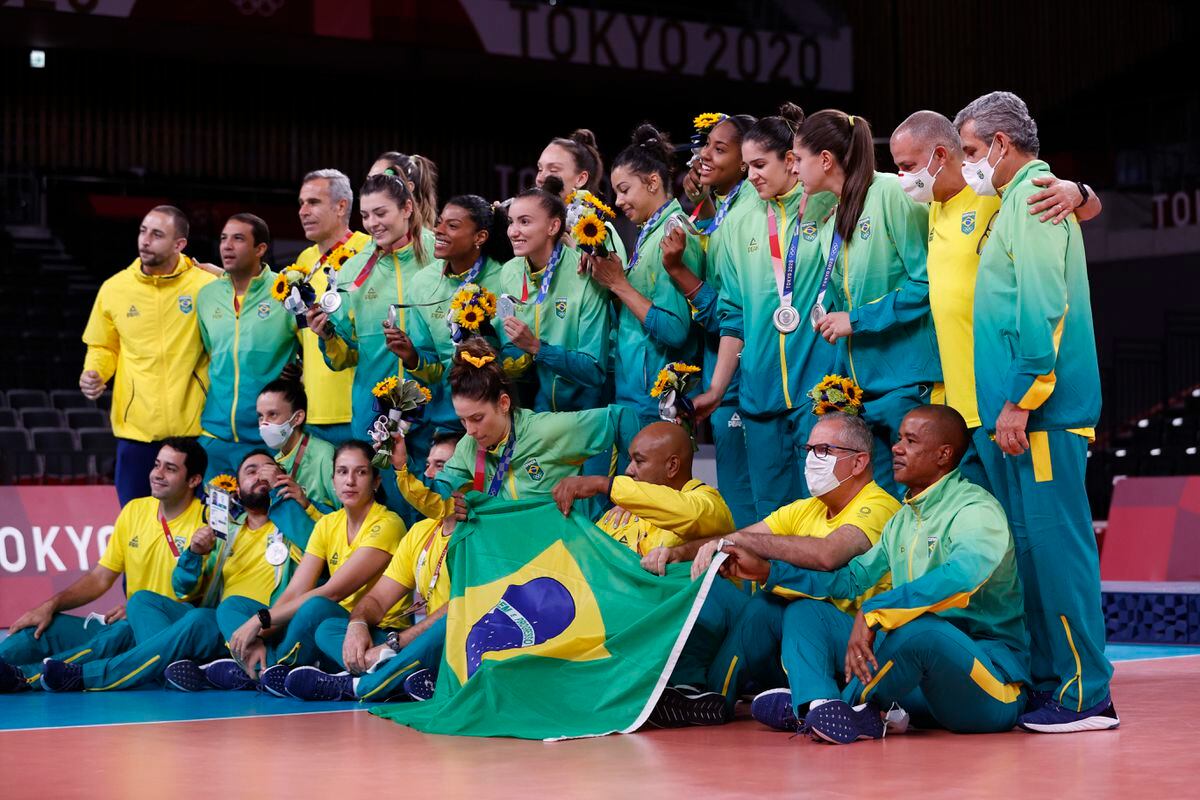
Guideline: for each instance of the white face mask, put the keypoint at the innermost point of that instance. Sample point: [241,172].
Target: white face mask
[919,185]
[276,434]
[818,473]
[978,174]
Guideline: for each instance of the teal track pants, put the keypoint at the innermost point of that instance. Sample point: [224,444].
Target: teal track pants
[749,655]
[194,635]
[778,475]
[1043,494]
[424,652]
[65,639]
[733,465]
[713,624]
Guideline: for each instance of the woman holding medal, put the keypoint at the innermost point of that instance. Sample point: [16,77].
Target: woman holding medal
[771,261]
[552,320]
[366,330]
[355,545]
[653,318]
[877,307]
[720,173]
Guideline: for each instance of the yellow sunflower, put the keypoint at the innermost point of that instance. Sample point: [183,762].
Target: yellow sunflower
[599,205]
[470,318]
[589,231]
[385,386]
[300,269]
[280,288]
[681,368]
[428,395]
[706,121]
[225,482]
[570,198]
[825,407]
[660,385]
[487,301]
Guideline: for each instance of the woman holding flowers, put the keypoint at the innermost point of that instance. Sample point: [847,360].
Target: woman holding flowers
[653,318]
[559,327]
[771,272]
[878,306]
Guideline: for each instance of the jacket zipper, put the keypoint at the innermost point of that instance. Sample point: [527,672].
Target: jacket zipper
[237,335]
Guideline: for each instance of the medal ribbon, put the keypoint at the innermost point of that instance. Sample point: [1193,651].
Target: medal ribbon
[501,468]
[547,276]
[470,275]
[835,247]
[299,455]
[644,232]
[345,238]
[723,211]
[167,535]
[785,271]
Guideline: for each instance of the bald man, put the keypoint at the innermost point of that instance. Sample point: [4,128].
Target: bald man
[955,650]
[666,507]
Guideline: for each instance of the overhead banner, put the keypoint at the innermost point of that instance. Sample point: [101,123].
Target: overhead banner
[50,536]
[598,38]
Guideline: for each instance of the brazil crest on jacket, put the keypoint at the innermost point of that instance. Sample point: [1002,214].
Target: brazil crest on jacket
[553,629]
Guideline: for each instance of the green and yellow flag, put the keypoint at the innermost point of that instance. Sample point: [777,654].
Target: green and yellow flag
[553,629]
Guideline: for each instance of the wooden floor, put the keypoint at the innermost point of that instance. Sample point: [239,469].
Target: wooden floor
[350,755]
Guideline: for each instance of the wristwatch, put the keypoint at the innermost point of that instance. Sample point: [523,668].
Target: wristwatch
[393,641]
[264,617]
[1084,194]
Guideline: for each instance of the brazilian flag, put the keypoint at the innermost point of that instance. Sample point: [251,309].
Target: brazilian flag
[553,629]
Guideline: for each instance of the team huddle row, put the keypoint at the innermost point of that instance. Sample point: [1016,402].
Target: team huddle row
[936,322]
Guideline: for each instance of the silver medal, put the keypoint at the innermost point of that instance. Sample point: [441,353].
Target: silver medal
[787,319]
[393,315]
[505,307]
[277,553]
[330,302]
[679,221]
[817,314]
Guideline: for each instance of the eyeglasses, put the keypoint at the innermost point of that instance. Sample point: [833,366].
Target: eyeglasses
[824,450]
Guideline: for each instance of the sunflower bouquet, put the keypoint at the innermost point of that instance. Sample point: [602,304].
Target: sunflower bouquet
[675,382]
[471,311]
[400,405]
[836,394]
[292,287]
[586,218]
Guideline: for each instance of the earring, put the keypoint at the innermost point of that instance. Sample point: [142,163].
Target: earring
[744,167]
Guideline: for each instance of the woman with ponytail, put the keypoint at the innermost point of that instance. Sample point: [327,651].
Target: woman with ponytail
[878,298]
[421,174]
[769,263]
[559,331]
[471,243]
[365,331]
[575,160]
[653,318]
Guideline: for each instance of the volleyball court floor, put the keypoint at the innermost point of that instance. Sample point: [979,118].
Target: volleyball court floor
[152,743]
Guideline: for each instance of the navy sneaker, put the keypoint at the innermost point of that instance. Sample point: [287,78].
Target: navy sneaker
[1053,717]
[420,685]
[1036,700]
[227,674]
[61,676]
[11,679]
[273,680]
[186,676]
[683,706]
[310,683]
[837,722]
[773,708]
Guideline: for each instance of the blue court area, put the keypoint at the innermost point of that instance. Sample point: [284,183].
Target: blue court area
[40,710]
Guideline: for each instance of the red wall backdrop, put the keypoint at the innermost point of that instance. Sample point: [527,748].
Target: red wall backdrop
[1153,531]
[49,537]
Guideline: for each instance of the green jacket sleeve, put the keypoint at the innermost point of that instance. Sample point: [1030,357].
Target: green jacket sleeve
[291,520]
[429,368]
[848,583]
[975,545]
[907,224]
[189,573]
[341,349]
[1039,264]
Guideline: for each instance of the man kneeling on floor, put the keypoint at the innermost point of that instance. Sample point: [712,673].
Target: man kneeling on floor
[954,650]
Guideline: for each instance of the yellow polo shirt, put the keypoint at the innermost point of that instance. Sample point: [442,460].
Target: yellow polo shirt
[957,232]
[381,530]
[421,560]
[869,511]
[138,546]
[328,391]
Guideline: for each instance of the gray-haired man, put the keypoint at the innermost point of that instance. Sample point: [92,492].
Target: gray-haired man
[325,203]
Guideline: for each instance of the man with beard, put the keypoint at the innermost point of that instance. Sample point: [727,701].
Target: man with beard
[247,578]
[143,335]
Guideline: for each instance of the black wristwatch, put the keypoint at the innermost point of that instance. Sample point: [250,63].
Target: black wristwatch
[264,618]
[393,641]
[1084,193]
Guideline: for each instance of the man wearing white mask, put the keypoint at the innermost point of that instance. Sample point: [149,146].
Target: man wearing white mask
[1037,382]
[843,519]
[928,153]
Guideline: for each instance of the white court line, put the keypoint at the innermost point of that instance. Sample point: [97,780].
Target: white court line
[181,721]
[1155,658]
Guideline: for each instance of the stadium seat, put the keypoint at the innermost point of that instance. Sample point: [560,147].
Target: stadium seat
[62,462]
[41,418]
[62,399]
[27,398]
[101,447]
[18,462]
[79,418]
[9,418]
